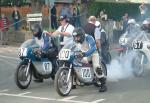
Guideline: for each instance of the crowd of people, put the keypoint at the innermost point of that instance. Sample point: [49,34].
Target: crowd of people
[72,11]
[5,24]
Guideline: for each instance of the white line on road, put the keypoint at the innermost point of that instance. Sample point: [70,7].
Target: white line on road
[68,98]
[49,99]
[23,93]
[23,96]
[97,101]
[2,56]
[5,90]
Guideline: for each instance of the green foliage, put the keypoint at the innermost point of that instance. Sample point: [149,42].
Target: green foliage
[115,10]
[13,2]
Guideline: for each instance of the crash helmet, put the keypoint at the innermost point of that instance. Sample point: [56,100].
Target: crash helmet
[131,21]
[146,24]
[36,30]
[78,35]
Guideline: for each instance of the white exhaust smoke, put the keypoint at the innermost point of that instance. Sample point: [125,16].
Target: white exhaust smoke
[121,67]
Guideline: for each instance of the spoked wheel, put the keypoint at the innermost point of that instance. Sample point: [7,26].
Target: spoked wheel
[22,80]
[103,70]
[63,87]
[137,65]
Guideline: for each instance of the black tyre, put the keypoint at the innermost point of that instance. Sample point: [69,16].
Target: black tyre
[62,87]
[138,67]
[21,80]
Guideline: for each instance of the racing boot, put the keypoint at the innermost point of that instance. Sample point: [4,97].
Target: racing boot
[103,86]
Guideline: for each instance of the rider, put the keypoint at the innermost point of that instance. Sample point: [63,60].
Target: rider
[146,25]
[133,27]
[47,49]
[89,49]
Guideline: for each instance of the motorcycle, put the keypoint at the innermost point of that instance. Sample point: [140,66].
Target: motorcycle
[32,64]
[125,41]
[141,46]
[75,67]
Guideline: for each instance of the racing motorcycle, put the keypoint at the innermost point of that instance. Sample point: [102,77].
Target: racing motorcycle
[125,41]
[141,46]
[32,64]
[75,67]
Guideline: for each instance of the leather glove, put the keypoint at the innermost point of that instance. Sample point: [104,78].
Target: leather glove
[37,52]
[80,55]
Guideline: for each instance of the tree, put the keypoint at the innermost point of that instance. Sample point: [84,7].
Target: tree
[37,5]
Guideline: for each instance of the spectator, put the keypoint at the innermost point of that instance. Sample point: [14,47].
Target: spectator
[78,22]
[4,26]
[89,28]
[74,19]
[66,11]
[143,10]
[125,19]
[54,18]
[103,15]
[102,41]
[16,18]
[65,31]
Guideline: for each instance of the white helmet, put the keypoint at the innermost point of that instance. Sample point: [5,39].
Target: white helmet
[97,23]
[145,22]
[131,21]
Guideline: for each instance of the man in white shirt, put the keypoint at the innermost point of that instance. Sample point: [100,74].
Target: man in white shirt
[65,30]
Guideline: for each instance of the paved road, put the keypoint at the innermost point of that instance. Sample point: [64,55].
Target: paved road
[132,90]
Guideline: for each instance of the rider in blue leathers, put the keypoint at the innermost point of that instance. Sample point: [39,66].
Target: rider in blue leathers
[89,49]
[48,49]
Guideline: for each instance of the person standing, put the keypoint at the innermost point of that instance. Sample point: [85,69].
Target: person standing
[78,22]
[143,10]
[74,18]
[16,18]
[53,17]
[89,28]
[4,26]
[65,31]
[102,42]
[125,19]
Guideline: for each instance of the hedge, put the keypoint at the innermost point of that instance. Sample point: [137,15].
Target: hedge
[116,10]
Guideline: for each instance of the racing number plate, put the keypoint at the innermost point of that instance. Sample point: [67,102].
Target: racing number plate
[22,52]
[137,44]
[64,54]
[47,66]
[86,72]
[123,41]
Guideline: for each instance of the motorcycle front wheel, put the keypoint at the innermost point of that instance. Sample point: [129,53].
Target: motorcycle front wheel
[21,79]
[63,87]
